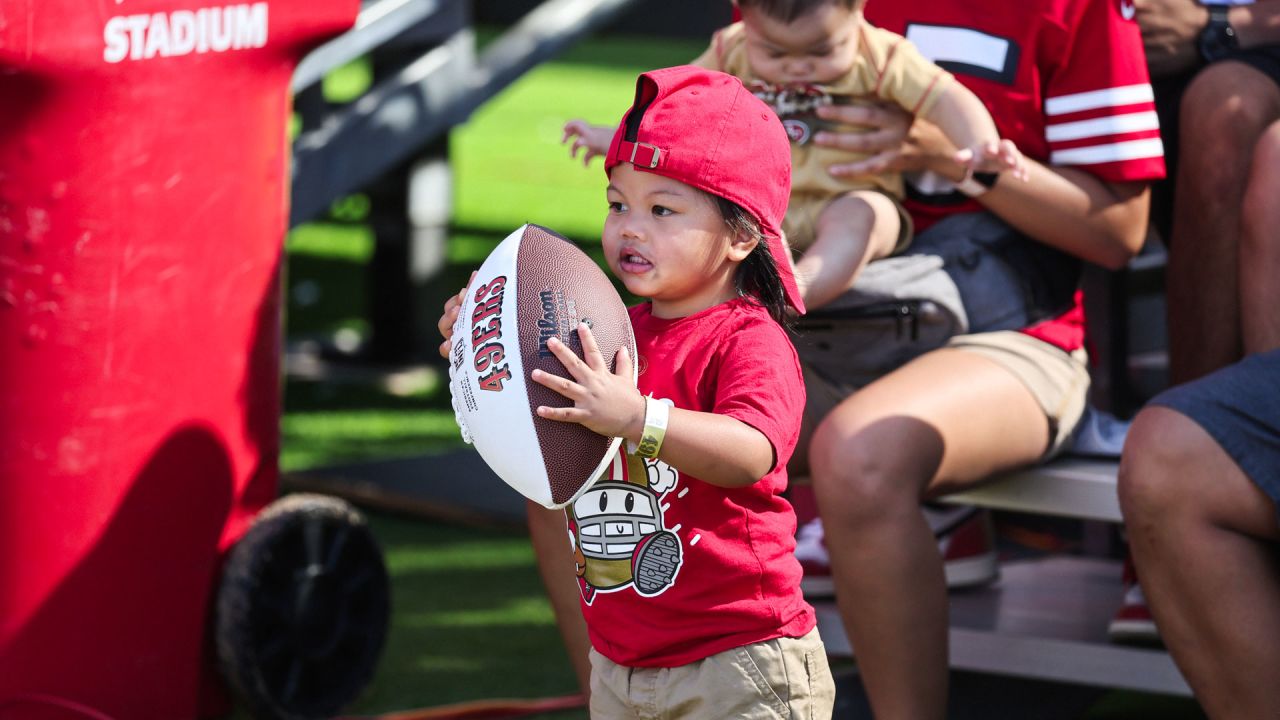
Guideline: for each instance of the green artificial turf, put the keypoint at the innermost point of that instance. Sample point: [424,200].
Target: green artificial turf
[470,619]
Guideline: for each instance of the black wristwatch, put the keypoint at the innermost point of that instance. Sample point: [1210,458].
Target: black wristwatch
[1218,39]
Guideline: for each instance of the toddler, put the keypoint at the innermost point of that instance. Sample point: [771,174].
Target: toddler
[683,551]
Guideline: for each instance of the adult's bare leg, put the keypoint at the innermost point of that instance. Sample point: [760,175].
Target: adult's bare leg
[1224,112]
[555,563]
[945,420]
[1204,540]
[1260,247]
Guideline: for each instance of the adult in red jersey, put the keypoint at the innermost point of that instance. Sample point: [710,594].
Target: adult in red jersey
[1066,80]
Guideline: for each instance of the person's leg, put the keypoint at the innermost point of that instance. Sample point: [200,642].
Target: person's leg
[1260,247]
[945,420]
[1224,111]
[851,231]
[555,563]
[1203,537]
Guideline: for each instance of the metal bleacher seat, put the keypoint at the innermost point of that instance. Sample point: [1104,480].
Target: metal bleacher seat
[1045,618]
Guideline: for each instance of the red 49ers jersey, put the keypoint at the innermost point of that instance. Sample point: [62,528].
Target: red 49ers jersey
[1064,79]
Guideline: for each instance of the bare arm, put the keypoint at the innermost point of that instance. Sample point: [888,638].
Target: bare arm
[1170,29]
[1072,210]
[962,117]
[717,449]
[714,448]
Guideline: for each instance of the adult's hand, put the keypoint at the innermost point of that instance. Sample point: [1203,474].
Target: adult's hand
[894,141]
[1169,32]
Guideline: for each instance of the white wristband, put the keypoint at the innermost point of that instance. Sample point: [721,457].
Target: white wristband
[656,415]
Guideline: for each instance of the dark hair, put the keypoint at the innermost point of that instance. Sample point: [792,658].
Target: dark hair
[790,10]
[757,276]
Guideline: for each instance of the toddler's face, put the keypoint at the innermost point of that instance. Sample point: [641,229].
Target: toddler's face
[668,242]
[819,47]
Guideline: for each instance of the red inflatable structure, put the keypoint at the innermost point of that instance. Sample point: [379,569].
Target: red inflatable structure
[143,182]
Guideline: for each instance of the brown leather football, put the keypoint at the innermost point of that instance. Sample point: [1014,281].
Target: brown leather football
[534,286]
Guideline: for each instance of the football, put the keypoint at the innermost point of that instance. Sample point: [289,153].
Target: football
[534,286]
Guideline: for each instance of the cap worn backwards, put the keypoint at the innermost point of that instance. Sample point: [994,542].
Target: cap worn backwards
[705,129]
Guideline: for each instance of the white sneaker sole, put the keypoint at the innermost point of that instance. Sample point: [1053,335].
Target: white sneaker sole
[1133,631]
[971,571]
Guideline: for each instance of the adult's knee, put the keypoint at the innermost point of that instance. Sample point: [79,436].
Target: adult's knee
[1157,452]
[857,471]
[1223,110]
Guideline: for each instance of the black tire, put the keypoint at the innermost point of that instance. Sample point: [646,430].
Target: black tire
[302,609]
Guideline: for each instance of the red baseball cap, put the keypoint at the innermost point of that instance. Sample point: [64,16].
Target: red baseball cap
[705,129]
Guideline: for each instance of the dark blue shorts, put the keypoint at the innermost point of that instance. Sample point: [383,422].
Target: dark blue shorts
[1240,407]
[1265,59]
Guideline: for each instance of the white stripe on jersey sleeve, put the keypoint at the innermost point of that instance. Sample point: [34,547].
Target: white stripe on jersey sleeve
[1113,152]
[1097,127]
[1108,97]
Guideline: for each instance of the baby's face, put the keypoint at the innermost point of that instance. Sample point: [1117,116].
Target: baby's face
[819,47]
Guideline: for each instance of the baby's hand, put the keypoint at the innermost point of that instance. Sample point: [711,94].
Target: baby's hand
[452,307]
[594,139]
[605,402]
[990,157]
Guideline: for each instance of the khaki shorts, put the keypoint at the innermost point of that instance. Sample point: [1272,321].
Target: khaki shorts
[1059,381]
[784,678]
[801,222]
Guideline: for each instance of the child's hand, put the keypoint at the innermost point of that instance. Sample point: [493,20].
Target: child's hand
[594,138]
[604,402]
[993,157]
[452,307]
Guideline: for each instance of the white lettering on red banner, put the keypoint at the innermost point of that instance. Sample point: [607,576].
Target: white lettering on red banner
[182,32]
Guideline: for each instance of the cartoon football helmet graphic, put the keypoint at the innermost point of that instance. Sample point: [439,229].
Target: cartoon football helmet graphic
[618,533]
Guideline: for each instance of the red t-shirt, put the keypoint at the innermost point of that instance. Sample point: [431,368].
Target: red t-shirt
[673,569]
[1064,79]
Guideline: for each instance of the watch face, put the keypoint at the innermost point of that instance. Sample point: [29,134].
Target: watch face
[1217,39]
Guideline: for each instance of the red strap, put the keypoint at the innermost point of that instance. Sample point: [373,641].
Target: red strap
[639,154]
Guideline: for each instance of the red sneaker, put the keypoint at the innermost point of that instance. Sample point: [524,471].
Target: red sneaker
[966,539]
[1133,623]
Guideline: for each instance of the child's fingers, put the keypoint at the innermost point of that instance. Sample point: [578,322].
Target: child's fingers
[590,348]
[964,156]
[562,385]
[564,414]
[623,363]
[452,307]
[573,127]
[568,358]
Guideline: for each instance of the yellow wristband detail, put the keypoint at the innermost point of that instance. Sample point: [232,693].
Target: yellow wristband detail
[656,414]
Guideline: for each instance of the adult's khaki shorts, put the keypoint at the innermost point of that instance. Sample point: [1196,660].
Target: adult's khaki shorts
[1059,380]
[785,678]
